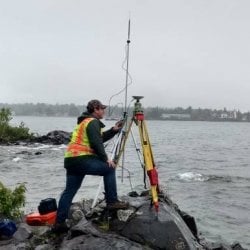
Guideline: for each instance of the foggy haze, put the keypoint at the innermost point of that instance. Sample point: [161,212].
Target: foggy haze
[182,53]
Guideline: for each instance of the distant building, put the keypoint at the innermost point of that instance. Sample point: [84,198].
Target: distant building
[223,115]
[244,118]
[232,115]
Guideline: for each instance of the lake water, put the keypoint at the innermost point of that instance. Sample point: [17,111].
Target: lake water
[204,167]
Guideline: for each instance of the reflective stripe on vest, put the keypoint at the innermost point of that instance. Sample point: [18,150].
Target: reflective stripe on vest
[79,143]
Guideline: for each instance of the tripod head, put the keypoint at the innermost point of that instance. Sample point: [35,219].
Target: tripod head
[137,98]
[138,110]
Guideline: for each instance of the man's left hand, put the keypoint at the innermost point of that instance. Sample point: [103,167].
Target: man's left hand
[111,164]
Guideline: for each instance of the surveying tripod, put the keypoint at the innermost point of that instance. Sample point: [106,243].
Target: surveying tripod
[119,148]
[149,164]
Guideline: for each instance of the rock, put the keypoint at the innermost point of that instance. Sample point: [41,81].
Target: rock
[104,241]
[77,215]
[138,227]
[39,230]
[8,247]
[24,152]
[123,215]
[43,247]
[21,246]
[237,246]
[84,227]
[55,137]
[23,232]
[5,242]
[59,137]
[219,246]
[166,231]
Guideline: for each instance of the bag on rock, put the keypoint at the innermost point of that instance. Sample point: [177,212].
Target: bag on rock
[48,205]
[7,227]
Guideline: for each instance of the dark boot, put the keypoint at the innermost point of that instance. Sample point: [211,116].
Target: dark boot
[118,205]
[60,228]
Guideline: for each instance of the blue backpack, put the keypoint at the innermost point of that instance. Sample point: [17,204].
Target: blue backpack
[7,227]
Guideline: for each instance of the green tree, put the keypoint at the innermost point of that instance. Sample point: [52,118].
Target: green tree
[9,133]
[11,202]
[5,116]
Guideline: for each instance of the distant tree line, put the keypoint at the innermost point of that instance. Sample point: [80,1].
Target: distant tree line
[43,109]
[152,113]
[198,114]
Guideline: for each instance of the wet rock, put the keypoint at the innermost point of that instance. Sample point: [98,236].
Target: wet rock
[146,227]
[24,152]
[124,215]
[104,241]
[8,247]
[23,232]
[137,227]
[76,213]
[21,246]
[56,137]
[237,246]
[4,242]
[44,247]
[223,246]
[219,246]
[39,230]
[59,137]
[84,227]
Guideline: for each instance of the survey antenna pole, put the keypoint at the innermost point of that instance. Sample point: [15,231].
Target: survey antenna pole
[125,113]
[127,73]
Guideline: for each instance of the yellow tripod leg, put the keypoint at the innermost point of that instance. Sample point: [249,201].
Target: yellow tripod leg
[149,162]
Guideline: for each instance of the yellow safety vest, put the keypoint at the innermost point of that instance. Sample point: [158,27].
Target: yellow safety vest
[79,142]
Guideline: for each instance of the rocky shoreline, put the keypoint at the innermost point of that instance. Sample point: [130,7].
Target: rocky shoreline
[55,137]
[138,227]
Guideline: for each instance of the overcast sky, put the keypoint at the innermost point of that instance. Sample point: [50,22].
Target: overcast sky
[182,52]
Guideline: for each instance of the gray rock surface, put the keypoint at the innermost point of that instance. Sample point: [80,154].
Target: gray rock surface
[138,227]
[166,231]
[23,232]
[55,137]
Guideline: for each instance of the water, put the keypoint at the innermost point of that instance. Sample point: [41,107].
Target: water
[204,167]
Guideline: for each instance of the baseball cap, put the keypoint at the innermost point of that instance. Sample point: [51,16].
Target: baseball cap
[95,104]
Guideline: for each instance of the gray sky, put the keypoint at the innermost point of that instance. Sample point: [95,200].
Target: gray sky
[182,52]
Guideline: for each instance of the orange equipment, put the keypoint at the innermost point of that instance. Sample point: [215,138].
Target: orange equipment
[37,219]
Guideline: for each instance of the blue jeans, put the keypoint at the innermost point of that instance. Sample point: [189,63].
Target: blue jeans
[77,168]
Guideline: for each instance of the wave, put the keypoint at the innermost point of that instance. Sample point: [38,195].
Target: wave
[29,150]
[192,176]
[16,159]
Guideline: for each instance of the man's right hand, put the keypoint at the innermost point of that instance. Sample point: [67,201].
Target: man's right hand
[118,125]
[111,164]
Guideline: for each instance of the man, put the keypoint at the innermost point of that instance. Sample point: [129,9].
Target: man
[85,155]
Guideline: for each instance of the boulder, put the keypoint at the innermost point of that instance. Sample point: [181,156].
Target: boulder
[23,232]
[166,230]
[55,137]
